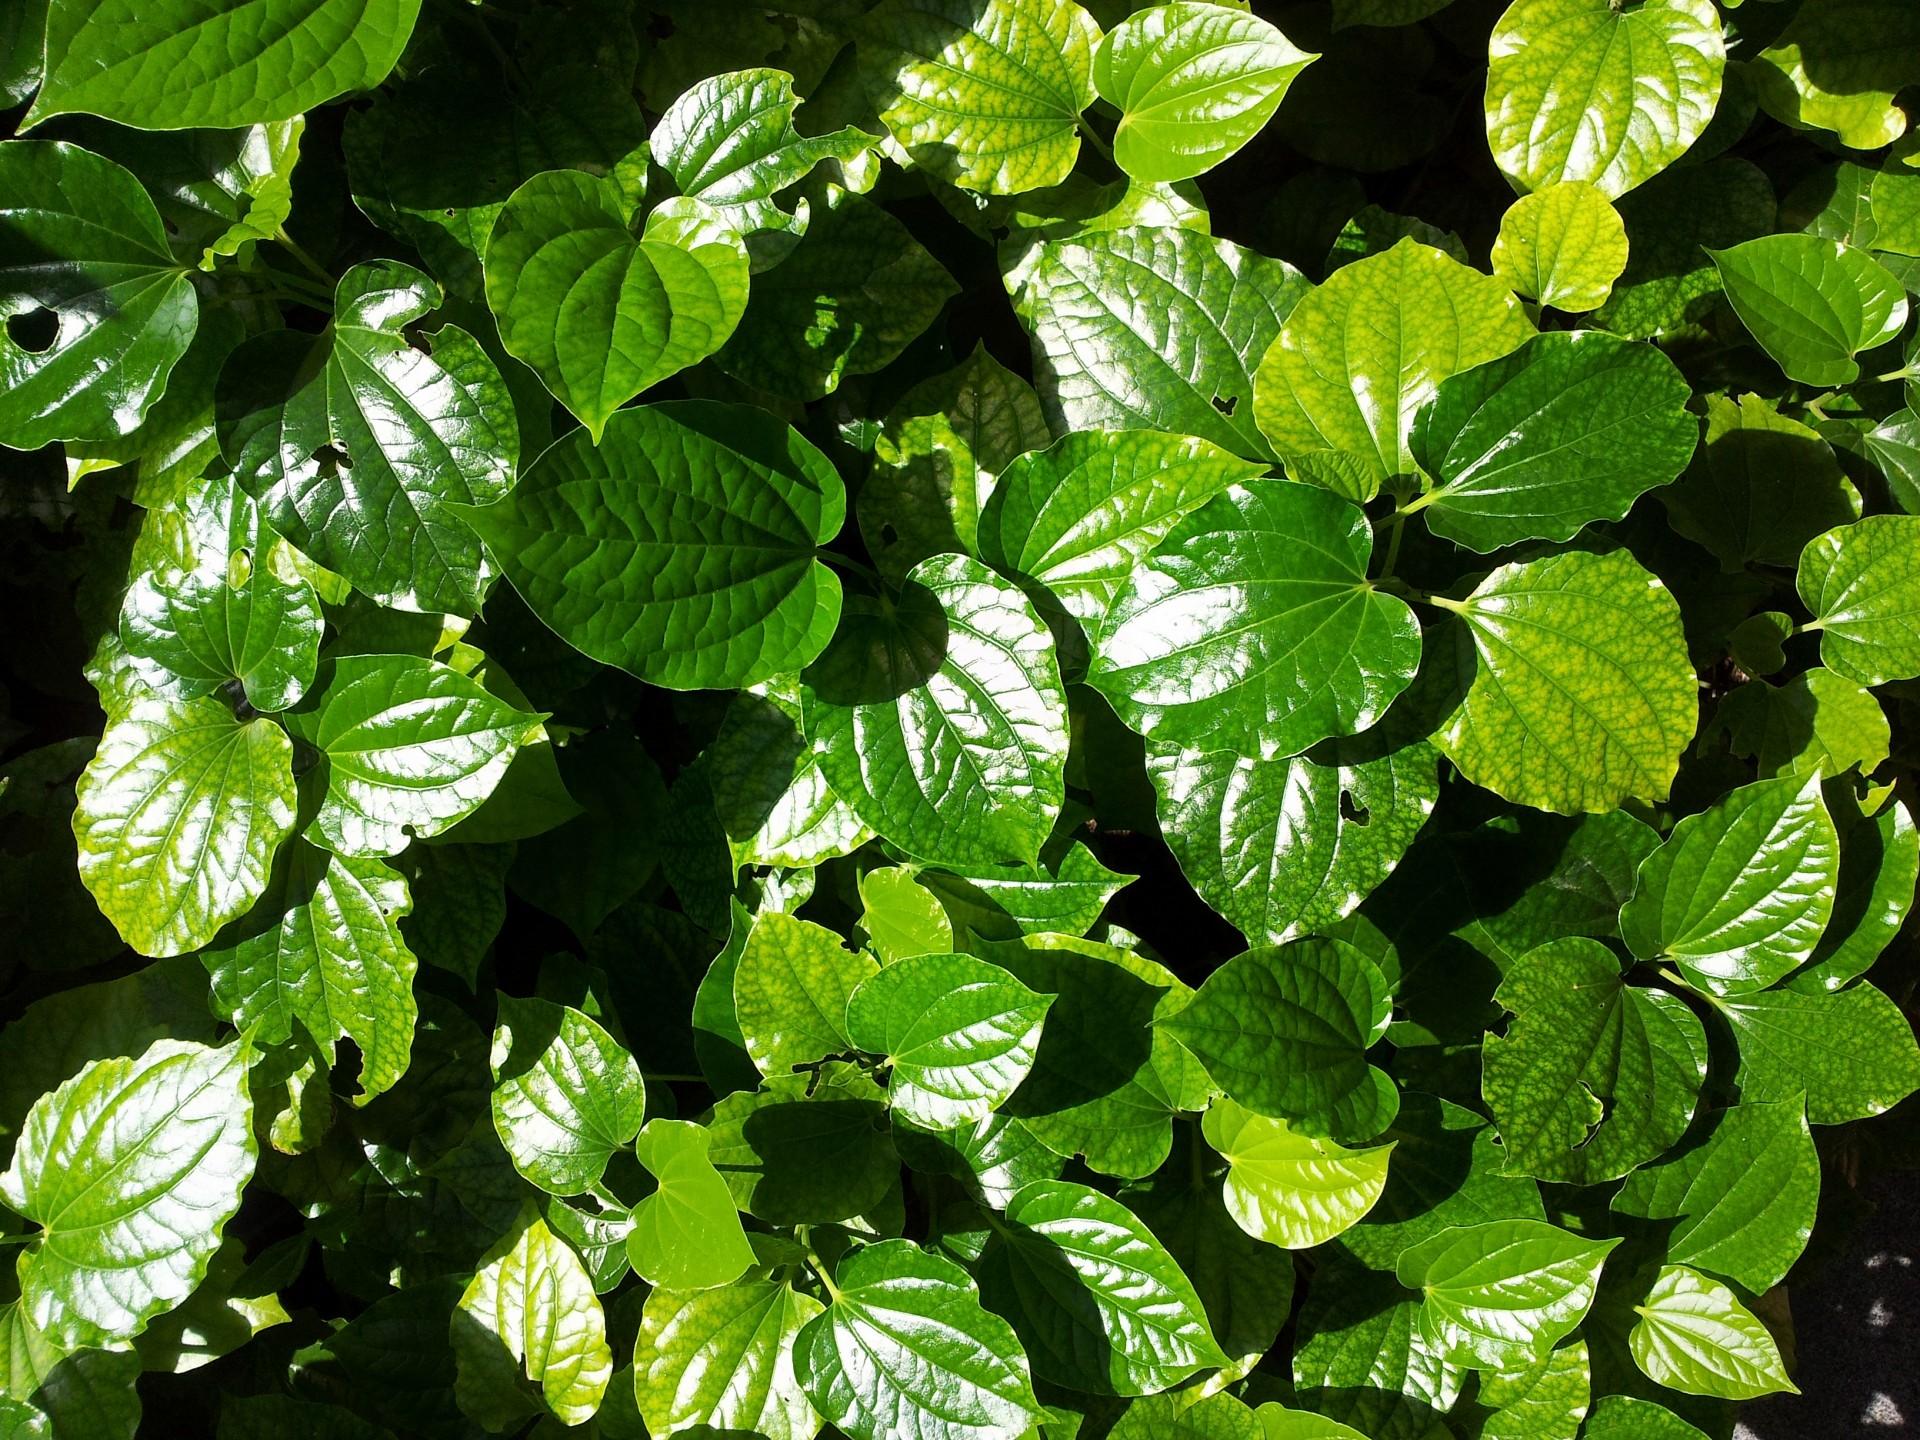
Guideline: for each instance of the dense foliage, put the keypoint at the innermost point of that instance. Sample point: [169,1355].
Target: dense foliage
[949,719]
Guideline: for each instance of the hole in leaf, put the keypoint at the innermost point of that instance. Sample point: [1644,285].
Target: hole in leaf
[331,460]
[1225,406]
[1352,813]
[34,331]
[889,535]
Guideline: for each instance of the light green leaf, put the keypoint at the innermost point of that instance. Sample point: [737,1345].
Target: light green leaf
[1284,848]
[1563,246]
[905,1348]
[984,94]
[1502,1295]
[1277,1422]
[1146,328]
[598,314]
[412,747]
[940,718]
[1851,1052]
[1813,304]
[1862,582]
[1816,721]
[360,448]
[687,1234]
[795,1157]
[1570,428]
[1290,1189]
[681,548]
[1879,863]
[723,1360]
[179,813]
[1581,90]
[790,992]
[323,948]
[215,63]
[1193,84]
[1837,66]
[217,1319]
[1166,1417]
[729,142]
[1362,354]
[1745,1199]
[901,916]
[1695,1336]
[566,1095]
[1003,902]
[1739,896]
[1583,696]
[1099,1303]
[1896,205]
[1285,1031]
[131,1168]
[1081,514]
[1253,627]
[995,1157]
[855,292]
[772,800]
[1542,1401]
[529,1333]
[959,1033]
[81,241]
[1594,1076]
[1762,486]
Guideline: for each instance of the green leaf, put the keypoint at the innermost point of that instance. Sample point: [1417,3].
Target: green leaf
[1879,863]
[1004,902]
[282,1417]
[1762,486]
[1097,1300]
[1837,65]
[179,813]
[323,949]
[1745,1198]
[791,990]
[1647,81]
[723,1360]
[1505,1293]
[855,292]
[1290,1189]
[1193,84]
[1361,1356]
[1362,354]
[905,1348]
[984,94]
[995,1156]
[529,1333]
[1583,696]
[1285,1031]
[223,1313]
[360,448]
[729,142]
[1145,328]
[1563,246]
[1739,896]
[902,917]
[1547,1398]
[131,1168]
[238,611]
[566,1096]
[1284,848]
[598,314]
[1279,1423]
[1851,1052]
[1671,285]
[81,241]
[212,64]
[681,547]
[1695,1336]
[1594,1076]
[1816,721]
[687,1234]
[941,719]
[1081,514]
[1164,1417]
[1570,428]
[1107,1081]
[792,1155]
[1253,627]
[1813,304]
[768,791]
[1862,582]
[412,747]
[959,1033]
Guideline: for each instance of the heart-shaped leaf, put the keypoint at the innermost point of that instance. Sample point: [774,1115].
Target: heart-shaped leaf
[723,1359]
[1289,1189]
[1503,1294]
[566,1095]
[1862,583]
[1695,1336]
[687,1234]
[1812,303]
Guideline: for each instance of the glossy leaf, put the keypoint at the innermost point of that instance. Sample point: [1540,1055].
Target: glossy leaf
[1862,582]
[1813,304]
[566,1095]
[686,1235]
[1816,721]
[1594,1076]
[412,746]
[790,992]
[1290,1189]
[1695,1336]
[723,1359]
[1837,65]
[768,791]
[1879,864]
[1003,902]
[1583,696]
[1193,84]
[1851,1053]
[1362,354]
[1253,627]
[901,916]
[800,1153]
[1563,245]
[1503,1294]
[1570,428]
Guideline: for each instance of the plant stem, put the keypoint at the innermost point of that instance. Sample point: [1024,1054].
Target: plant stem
[851,566]
[819,1266]
[683,1079]
[1396,523]
[287,243]
[1092,137]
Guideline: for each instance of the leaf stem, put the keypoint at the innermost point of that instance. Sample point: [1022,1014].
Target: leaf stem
[819,1266]
[682,1079]
[1396,524]
[287,243]
[851,566]
[1092,137]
